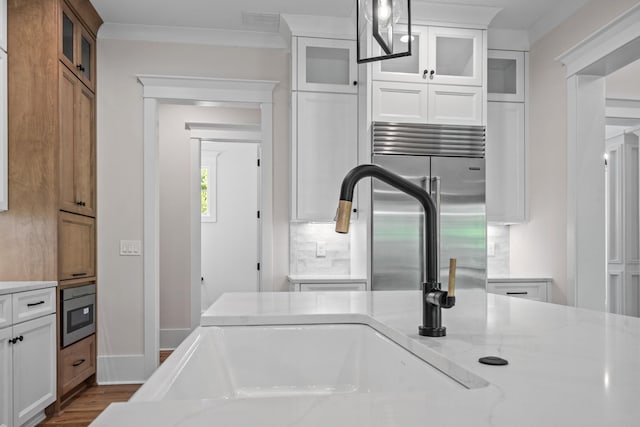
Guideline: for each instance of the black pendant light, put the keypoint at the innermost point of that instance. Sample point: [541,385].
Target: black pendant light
[383,29]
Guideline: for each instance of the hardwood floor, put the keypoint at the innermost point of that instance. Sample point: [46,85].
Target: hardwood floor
[89,404]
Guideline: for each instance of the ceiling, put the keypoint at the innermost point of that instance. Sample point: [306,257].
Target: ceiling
[529,15]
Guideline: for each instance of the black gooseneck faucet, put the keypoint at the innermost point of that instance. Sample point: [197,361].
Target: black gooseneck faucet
[433,299]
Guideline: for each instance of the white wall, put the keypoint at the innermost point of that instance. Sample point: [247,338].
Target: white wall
[539,247]
[119,147]
[625,82]
[175,222]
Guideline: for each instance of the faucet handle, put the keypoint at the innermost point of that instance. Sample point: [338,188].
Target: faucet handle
[452,277]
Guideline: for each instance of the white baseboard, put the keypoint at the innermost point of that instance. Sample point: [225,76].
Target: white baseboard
[171,338]
[121,369]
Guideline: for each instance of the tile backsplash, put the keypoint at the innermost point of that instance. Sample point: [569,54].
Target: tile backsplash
[497,250]
[306,257]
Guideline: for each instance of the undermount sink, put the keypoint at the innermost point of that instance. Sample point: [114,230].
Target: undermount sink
[234,362]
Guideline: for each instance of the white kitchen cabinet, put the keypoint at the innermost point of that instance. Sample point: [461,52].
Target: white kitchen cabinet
[326,65]
[533,289]
[506,75]
[27,356]
[324,283]
[6,373]
[505,160]
[34,368]
[413,103]
[325,148]
[439,55]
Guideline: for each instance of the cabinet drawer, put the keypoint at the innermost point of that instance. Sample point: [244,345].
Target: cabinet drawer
[77,363]
[455,105]
[32,304]
[332,286]
[76,246]
[530,290]
[5,310]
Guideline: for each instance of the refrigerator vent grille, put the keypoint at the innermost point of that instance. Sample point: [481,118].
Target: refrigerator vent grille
[415,139]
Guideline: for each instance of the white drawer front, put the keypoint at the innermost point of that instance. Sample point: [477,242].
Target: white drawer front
[332,286]
[530,290]
[32,304]
[455,105]
[5,310]
[400,102]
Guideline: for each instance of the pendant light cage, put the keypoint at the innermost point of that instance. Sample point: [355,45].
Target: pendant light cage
[383,29]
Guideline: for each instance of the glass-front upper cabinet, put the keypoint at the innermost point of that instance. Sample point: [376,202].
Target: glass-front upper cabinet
[77,47]
[326,65]
[439,55]
[505,76]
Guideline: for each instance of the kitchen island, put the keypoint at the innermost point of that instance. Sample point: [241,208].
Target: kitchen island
[567,366]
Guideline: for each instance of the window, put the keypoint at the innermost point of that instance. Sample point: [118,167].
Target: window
[208,197]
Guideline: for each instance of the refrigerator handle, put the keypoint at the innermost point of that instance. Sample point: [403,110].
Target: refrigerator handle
[435,195]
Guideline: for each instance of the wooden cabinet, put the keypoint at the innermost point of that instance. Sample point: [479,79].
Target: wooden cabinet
[77,254]
[4,164]
[77,145]
[324,149]
[440,55]
[49,230]
[77,362]
[326,65]
[77,46]
[27,357]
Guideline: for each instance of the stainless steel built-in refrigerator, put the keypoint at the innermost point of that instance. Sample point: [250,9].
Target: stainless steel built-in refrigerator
[448,162]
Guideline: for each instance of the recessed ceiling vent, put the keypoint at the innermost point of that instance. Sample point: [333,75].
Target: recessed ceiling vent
[257,21]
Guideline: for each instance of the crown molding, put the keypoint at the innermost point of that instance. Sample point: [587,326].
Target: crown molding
[434,13]
[204,36]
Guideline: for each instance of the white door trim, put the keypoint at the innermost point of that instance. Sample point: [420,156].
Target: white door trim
[157,89]
[608,49]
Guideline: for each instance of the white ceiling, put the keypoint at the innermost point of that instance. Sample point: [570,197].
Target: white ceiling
[534,16]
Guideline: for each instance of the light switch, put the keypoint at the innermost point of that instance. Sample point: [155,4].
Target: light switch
[321,249]
[130,248]
[491,249]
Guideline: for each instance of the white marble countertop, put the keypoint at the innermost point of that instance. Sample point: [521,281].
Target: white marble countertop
[323,278]
[567,366]
[13,287]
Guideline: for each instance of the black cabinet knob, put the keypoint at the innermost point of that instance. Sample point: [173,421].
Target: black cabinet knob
[424,74]
[355,83]
[20,338]
[432,73]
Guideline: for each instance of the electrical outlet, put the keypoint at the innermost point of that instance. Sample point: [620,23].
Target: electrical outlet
[130,248]
[321,249]
[491,249]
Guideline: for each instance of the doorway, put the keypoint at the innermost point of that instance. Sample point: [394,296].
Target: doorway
[195,90]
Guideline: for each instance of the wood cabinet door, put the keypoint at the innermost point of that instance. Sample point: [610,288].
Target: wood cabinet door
[77,145]
[34,367]
[76,246]
[76,47]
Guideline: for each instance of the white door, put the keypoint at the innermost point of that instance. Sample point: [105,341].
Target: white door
[230,233]
[34,367]
[6,373]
